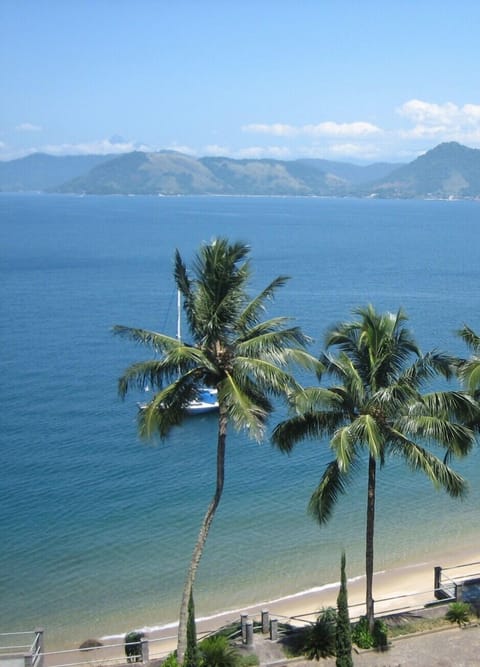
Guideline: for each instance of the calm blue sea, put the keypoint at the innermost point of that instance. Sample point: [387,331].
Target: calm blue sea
[98,527]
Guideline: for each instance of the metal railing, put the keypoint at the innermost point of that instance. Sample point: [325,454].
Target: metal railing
[450,586]
[22,655]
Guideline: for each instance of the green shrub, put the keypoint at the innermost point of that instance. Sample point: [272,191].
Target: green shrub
[216,651]
[343,635]
[459,613]
[361,634]
[133,646]
[191,658]
[380,635]
[365,639]
[171,661]
[319,638]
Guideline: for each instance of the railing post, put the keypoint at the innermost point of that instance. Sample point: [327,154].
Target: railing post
[265,621]
[437,581]
[39,643]
[243,623]
[145,650]
[274,629]
[249,633]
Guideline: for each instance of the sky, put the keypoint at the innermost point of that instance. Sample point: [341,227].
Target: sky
[357,81]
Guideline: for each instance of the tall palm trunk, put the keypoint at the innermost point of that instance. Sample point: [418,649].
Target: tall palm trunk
[372,469]
[202,536]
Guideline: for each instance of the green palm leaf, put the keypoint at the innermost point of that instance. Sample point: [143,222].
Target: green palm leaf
[324,498]
[420,459]
[255,308]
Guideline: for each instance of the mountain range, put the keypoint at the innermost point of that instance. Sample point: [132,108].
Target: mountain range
[449,170]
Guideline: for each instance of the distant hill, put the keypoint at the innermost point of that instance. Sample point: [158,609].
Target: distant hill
[449,170]
[167,172]
[42,172]
[172,173]
[352,174]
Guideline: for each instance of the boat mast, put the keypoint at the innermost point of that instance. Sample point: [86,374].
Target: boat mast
[179,333]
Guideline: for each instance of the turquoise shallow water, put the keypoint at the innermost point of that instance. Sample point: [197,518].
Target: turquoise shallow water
[97,527]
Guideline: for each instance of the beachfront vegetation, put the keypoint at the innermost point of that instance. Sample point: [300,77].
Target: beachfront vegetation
[362,636]
[313,640]
[217,651]
[459,613]
[192,657]
[133,646]
[247,360]
[375,406]
[343,635]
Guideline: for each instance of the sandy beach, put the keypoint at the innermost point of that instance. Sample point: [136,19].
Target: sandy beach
[408,587]
[401,588]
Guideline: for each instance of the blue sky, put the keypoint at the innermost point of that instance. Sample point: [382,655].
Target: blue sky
[350,80]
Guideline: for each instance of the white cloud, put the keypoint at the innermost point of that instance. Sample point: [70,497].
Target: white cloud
[28,127]
[332,129]
[111,146]
[101,147]
[441,122]
[275,129]
[325,129]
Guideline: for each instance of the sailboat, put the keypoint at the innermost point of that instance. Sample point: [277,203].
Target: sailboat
[207,398]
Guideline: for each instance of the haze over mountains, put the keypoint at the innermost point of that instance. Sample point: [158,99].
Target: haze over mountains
[448,171]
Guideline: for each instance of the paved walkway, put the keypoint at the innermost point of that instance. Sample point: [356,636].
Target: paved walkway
[451,647]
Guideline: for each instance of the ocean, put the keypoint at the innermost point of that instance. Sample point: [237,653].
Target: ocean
[97,526]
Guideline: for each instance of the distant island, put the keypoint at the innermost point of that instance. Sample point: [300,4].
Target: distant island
[448,171]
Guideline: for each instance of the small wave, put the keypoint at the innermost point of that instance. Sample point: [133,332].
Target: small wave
[151,629]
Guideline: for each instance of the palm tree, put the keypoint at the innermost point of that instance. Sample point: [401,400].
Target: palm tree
[377,407]
[246,359]
[469,369]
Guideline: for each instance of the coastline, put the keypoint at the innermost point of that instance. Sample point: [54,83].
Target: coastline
[407,586]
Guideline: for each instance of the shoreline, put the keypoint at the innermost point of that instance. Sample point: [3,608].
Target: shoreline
[406,586]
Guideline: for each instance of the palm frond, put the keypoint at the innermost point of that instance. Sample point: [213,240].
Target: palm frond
[393,399]
[469,375]
[312,399]
[471,338]
[167,408]
[252,311]
[243,411]
[427,367]
[343,443]
[325,496]
[272,343]
[141,375]
[306,426]
[344,369]
[452,404]
[269,376]
[302,359]
[159,342]
[366,430]
[456,438]
[419,459]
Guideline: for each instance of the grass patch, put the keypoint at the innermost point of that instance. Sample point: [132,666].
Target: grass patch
[406,624]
